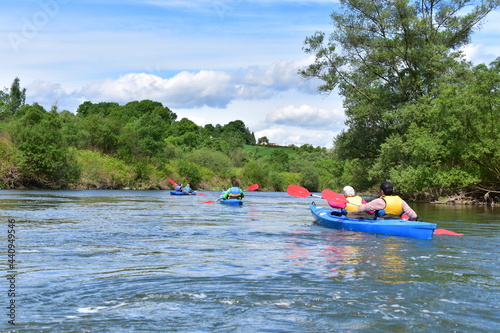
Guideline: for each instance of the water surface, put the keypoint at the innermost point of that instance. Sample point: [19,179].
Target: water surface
[123,261]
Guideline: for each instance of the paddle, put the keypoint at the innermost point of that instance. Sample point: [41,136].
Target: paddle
[250,188]
[446,232]
[301,192]
[253,187]
[211,201]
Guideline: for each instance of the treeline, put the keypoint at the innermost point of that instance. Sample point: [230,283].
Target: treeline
[139,145]
[418,113]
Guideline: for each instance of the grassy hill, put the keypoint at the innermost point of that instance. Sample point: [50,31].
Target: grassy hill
[263,151]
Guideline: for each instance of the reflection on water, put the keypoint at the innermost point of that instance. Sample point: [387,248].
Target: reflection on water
[144,260]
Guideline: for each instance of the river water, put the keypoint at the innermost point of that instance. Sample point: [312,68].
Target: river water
[145,261]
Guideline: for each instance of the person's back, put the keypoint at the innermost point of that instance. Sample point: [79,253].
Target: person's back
[234,192]
[389,205]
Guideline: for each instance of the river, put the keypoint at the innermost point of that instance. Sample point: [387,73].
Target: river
[145,261]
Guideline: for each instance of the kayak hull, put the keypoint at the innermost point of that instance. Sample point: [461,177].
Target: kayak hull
[181,193]
[231,202]
[402,228]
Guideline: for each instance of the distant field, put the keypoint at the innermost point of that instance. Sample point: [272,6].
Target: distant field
[263,151]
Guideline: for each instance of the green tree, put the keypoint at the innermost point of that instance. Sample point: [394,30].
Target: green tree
[151,130]
[384,54]
[87,109]
[216,161]
[11,100]
[278,160]
[41,154]
[392,61]
[191,172]
[102,132]
[263,139]
[453,141]
[256,172]
[310,179]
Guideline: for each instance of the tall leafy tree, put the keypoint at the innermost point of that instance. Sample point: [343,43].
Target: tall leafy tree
[11,100]
[385,54]
[41,155]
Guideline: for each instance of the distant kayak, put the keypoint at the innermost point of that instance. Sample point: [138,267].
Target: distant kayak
[181,193]
[404,228]
[233,202]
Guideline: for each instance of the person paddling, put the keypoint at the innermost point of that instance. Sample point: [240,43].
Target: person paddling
[389,205]
[234,192]
[350,210]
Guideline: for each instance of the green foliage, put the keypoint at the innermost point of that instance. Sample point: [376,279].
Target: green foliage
[11,100]
[190,172]
[255,172]
[278,161]
[216,161]
[41,156]
[100,171]
[151,131]
[87,109]
[238,157]
[290,178]
[417,113]
[102,132]
[310,179]
[277,181]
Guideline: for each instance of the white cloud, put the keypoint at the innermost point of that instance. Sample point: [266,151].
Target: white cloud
[287,135]
[308,117]
[185,89]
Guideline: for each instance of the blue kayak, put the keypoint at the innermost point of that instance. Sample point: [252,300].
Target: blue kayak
[232,202]
[181,193]
[392,227]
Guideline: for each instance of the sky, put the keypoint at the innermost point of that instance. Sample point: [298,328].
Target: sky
[211,61]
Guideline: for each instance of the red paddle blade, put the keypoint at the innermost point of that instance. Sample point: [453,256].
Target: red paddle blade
[200,193]
[253,187]
[446,232]
[172,182]
[209,202]
[333,197]
[298,191]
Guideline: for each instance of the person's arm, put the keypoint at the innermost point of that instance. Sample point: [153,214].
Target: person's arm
[363,202]
[408,211]
[242,194]
[224,196]
[376,204]
[337,205]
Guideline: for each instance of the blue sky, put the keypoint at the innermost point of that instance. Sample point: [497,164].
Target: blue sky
[210,61]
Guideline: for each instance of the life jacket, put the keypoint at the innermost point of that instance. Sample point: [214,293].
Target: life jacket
[234,193]
[355,200]
[393,205]
[178,188]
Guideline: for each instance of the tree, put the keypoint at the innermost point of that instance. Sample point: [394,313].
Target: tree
[388,60]
[384,54]
[12,100]
[151,130]
[87,108]
[41,155]
[191,172]
[263,139]
[278,160]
